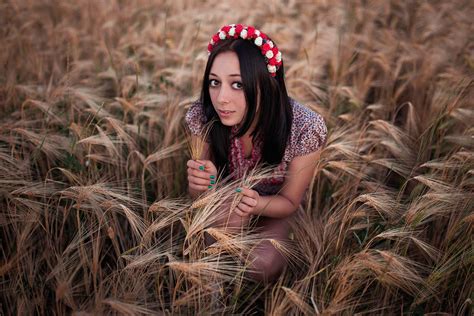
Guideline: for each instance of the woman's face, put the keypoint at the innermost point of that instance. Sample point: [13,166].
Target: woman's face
[226,89]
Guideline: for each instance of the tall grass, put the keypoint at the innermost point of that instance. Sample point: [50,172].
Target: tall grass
[95,216]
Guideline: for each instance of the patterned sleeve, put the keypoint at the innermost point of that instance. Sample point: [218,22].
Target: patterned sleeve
[312,137]
[195,118]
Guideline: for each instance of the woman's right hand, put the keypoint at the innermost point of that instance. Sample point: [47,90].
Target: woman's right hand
[202,175]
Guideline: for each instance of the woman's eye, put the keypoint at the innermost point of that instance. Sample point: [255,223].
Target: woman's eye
[213,83]
[237,85]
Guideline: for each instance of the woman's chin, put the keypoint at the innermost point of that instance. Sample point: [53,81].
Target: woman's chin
[227,122]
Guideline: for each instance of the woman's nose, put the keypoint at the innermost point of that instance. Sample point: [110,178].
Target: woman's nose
[224,95]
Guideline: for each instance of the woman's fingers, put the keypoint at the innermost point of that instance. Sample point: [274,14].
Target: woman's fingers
[207,165]
[200,164]
[199,174]
[244,208]
[249,201]
[249,196]
[198,180]
[202,168]
[198,187]
[246,192]
[195,165]
[239,212]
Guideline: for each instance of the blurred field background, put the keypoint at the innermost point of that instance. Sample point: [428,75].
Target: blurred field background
[94,213]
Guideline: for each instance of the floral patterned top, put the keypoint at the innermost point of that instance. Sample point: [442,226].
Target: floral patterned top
[308,134]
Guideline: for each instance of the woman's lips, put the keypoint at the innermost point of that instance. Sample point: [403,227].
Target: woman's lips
[225,113]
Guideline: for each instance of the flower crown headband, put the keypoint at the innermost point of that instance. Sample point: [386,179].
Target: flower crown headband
[267,47]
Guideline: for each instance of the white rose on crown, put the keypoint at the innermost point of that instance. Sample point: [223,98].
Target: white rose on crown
[278,57]
[271,68]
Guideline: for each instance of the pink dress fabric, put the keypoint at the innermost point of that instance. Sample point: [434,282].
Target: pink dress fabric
[308,134]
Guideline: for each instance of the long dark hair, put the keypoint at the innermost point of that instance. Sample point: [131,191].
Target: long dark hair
[274,121]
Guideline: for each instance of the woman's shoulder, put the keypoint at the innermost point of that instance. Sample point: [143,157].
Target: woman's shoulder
[195,118]
[308,130]
[302,115]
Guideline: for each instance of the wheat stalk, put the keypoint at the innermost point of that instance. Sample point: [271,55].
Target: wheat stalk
[196,144]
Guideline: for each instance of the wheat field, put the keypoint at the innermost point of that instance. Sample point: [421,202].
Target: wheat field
[95,217]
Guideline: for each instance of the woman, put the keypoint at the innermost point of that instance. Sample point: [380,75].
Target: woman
[257,124]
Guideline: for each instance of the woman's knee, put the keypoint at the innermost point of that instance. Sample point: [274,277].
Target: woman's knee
[266,265]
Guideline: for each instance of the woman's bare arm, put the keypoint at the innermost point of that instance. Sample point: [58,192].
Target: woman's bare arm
[300,173]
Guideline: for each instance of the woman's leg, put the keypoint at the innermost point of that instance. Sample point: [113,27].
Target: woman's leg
[266,261]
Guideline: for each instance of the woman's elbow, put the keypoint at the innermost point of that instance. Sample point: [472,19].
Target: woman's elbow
[293,204]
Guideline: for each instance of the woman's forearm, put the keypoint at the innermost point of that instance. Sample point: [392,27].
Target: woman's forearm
[276,206]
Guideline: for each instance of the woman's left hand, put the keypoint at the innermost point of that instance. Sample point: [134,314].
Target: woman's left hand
[248,204]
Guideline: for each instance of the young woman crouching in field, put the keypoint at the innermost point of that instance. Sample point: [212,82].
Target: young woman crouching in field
[256,124]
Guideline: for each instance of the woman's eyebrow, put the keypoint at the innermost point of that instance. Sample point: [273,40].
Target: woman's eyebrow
[231,75]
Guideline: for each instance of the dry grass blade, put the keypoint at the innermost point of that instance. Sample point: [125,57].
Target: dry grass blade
[124,308]
[152,256]
[286,249]
[161,154]
[229,243]
[298,301]
[208,267]
[201,202]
